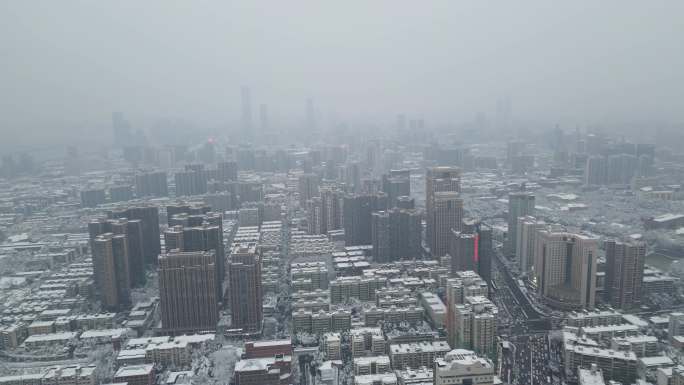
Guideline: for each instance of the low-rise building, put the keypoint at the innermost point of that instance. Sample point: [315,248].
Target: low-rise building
[417,354]
[135,375]
[462,366]
[371,365]
[615,365]
[263,371]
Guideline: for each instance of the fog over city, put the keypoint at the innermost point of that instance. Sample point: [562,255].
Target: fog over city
[341,192]
[66,65]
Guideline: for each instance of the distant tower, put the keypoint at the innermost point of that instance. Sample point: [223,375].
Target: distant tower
[246,112]
[122,129]
[263,118]
[310,116]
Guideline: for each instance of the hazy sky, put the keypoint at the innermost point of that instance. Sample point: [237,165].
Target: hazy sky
[66,65]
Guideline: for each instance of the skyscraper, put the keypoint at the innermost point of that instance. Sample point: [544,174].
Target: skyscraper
[246,297]
[624,273]
[112,271]
[565,269]
[357,217]
[246,112]
[187,291]
[520,204]
[439,179]
[445,215]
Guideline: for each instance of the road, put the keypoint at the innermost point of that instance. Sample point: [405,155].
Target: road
[527,362]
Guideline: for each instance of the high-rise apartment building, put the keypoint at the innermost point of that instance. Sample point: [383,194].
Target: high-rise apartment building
[357,216]
[132,230]
[185,208]
[380,236]
[565,268]
[396,234]
[464,285]
[149,218]
[445,214]
[475,325]
[526,230]
[151,184]
[624,273]
[201,237]
[520,204]
[227,171]
[314,216]
[191,181]
[331,202]
[112,272]
[246,297]
[187,291]
[307,187]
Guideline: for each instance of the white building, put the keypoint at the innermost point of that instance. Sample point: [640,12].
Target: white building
[463,366]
